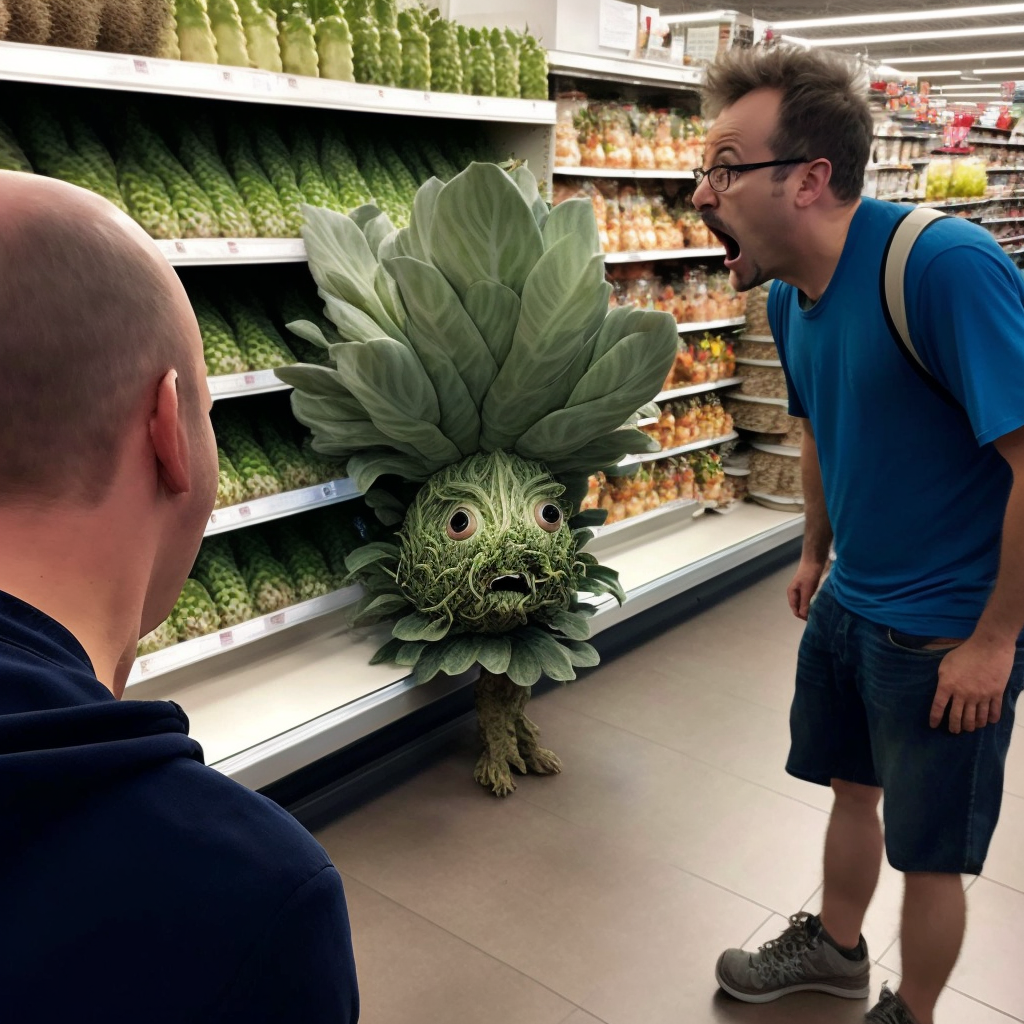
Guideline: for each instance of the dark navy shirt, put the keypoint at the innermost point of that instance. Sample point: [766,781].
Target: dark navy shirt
[136,884]
[916,491]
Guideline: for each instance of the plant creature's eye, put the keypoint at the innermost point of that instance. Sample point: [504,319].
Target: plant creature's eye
[462,524]
[548,516]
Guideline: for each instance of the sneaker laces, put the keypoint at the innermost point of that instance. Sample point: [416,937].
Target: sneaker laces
[780,961]
[890,1009]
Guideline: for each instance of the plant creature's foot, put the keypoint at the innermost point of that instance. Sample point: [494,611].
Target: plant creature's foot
[538,760]
[495,774]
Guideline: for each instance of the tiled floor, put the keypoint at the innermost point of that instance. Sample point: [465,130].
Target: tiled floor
[606,893]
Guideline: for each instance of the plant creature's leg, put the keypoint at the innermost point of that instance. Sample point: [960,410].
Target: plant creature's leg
[499,705]
[538,760]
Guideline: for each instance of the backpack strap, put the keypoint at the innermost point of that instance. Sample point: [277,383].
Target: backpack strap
[893,288]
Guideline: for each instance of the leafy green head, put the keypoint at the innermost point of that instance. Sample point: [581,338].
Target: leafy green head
[486,544]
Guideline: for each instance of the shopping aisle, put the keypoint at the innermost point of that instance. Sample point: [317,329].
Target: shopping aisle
[605,894]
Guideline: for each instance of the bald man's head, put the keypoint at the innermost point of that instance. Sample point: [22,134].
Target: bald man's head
[91,317]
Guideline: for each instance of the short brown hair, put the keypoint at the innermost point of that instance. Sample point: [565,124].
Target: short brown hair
[824,111]
[87,324]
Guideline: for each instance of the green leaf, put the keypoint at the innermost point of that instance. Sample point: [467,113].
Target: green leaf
[571,624]
[554,660]
[603,452]
[384,503]
[524,667]
[576,486]
[483,230]
[393,387]
[432,659]
[361,216]
[366,467]
[608,580]
[321,382]
[527,184]
[385,605]
[582,537]
[414,240]
[336,436]
[495,653]
[421,627]
[573,219]
[495,311]
[376,230]
[618,324]
[588,518]
[353,325]
[582,655]
[368,554]
[564,302]
[462,653]
[312,333]
[342,263]
[388,652]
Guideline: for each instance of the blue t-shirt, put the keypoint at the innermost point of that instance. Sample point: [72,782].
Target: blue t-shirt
[916,492]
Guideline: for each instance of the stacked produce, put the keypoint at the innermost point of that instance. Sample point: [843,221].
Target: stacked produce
[961,178]
[627,136]
[416,69]
[259,571]
[195,178]
[445,58]
[692,294]
[684,422]
[702,361]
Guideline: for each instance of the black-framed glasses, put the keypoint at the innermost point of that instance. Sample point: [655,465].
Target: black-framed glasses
[721,176]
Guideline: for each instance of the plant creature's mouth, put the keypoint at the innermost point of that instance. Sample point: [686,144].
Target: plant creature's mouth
[515,583]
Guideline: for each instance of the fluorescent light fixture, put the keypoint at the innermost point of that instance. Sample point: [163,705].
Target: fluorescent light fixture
[943,57]
[682,19]
[909,37]
[935,14]
[930,74]
[997,71]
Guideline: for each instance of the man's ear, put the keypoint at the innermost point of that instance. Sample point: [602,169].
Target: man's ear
[814,181]
[169,437]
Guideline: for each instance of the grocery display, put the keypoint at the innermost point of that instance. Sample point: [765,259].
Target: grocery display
[694,295]
[702,361]
[696,419]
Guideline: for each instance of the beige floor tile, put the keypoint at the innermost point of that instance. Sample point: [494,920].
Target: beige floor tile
[582,1017]
[989,966]
[412,971]
[1005,863]
[689,711]
[759,844]
[623,936]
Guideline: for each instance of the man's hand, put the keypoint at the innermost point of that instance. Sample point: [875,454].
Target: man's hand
[972,679]
[804,586]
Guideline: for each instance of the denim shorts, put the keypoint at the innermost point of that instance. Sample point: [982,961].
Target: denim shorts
[860,714]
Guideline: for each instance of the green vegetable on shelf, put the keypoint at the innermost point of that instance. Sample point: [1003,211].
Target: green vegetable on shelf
[506,65]
[365,41]
[341,172]
[383,188]
[413,159]
[196,40]
[445,59]
[286,458]
[147,200]
[257,337]
[416,72]
[261,35]
[405,184]
[533,69]
[164,636]
[11,156]
[201,160]
[226,23]
[465,56]
[276,160]
[258,476]
[194,614]
[230,488]
[298,43]
[309,173]
[306,566]
[261,198]
[482,80]
[440,166]
[218,572]
[220,350]
[334,46]
[391,42]
[266,579]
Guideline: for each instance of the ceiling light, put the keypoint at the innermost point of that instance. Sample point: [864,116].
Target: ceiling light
[936,14]
[681,19]
[908,37]
[943,57]
[997,71]
[929,74]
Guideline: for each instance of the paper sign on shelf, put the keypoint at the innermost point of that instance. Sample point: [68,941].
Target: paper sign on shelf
[617,25]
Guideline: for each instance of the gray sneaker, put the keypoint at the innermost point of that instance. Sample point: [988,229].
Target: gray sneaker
[889,1009]
[801,959]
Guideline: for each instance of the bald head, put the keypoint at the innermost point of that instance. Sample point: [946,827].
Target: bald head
[91,317]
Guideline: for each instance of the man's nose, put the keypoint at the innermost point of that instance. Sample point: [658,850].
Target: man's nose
[704,196]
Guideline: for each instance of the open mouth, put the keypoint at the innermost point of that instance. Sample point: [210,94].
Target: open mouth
[731,246]
[515,583]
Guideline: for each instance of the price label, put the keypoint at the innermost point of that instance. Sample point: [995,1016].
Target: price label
[145,667]
[250,380]
[329,490]
[426,97]
[179,249]
[213,519]
[244,511]
[380,94]
[262,83]
[293,83]
[233,248]
[226,76]
[277,619]
[141,66]
[227,638]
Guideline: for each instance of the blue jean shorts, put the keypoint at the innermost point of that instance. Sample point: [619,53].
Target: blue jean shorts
[860,714]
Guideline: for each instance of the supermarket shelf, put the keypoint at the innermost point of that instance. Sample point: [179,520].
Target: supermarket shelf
[661,254]
[616,69]
[634,522]
[616,172]
[277,506]
[1004,170]
[712,325]
[1010,239]
[299,709]
[1001,220]
[53,65]
[204,252]
[192,651]
[237,385]
[697,389]
[667,453]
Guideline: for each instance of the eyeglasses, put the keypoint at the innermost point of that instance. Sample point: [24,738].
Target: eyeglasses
[721,176]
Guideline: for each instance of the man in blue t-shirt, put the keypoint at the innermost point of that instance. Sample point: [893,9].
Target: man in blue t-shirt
[911,663]
[136,884]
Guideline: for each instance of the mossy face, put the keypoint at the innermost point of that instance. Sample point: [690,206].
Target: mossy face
[486,544]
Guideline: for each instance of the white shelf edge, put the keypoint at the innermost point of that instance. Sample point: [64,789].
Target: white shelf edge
[646,517]
[620,172]
[711,325]
[698,389]
[53,65]
[238,385]
[637,71]
[205,252]
[149,666]
[661,254]
[280,755]
[1001,220]
[277,506]
[667,453]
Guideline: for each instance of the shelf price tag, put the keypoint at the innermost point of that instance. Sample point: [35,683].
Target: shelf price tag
[250,380]
[277,619]
[329,490]
[227,638]
[262,82]
[140,66]
[244,512]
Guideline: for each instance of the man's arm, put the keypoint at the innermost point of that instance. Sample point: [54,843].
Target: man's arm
[973,676]
[817,531]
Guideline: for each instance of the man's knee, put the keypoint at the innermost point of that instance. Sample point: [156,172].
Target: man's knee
[853,794]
